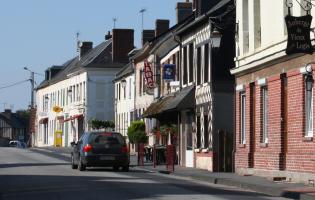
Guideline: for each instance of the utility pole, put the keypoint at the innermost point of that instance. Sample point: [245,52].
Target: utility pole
[32,86]
[32,89]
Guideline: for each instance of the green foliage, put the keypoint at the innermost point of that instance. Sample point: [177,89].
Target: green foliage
[136,132]
[168,128]
[99,124]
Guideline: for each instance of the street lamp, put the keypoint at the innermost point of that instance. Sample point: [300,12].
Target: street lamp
[123,83]
[309,77]
[215,37]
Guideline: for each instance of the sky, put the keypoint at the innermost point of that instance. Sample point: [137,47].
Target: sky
[40,33]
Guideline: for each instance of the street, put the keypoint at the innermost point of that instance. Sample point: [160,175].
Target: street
[25,174]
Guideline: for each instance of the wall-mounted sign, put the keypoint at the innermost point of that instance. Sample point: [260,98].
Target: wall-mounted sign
[57,109]
[298,34]
[148,74]
[169,72]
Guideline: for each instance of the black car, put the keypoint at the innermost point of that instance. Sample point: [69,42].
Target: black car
[100,149]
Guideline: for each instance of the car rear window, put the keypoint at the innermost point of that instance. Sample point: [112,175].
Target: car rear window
[107,138]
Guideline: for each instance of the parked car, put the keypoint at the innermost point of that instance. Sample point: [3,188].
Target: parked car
[18,144]
[100,149]
[4,142]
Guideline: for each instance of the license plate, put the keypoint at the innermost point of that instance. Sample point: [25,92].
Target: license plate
[107,158]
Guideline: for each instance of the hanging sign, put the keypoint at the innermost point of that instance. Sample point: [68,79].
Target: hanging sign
[169,72]
[298,34]
[148,74]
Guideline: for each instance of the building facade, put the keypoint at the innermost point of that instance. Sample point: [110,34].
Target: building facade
[274,109]
[80,90]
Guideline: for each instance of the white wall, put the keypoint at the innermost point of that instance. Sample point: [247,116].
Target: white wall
[124,106]
[273,33]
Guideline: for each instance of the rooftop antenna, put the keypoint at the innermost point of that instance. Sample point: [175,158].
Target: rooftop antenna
[142,13]
[78,41]
[114,20]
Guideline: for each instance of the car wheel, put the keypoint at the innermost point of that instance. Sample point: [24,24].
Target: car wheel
[115,168]
[81,166]
[73,166]
[126,168]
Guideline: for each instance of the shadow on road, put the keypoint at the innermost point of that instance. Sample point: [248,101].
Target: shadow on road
[110,186]
[29,164]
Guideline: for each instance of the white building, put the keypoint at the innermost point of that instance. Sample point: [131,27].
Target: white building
[82,89]
[124,99]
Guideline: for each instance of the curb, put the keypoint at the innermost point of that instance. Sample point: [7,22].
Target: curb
[271,191]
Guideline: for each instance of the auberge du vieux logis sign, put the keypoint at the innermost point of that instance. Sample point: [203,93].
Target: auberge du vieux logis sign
[298,34]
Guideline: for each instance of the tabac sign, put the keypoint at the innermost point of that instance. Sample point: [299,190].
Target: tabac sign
[148,74]
[298,34]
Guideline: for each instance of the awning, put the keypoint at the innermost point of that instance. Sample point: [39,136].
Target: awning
[43,120]
[182,100]
[157,107]
[73,117]
[185,99]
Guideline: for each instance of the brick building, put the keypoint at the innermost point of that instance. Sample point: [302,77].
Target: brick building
[273,111]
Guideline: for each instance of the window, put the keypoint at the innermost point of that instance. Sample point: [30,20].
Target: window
[257,24]
[191,63]
[206,64]
[206,131]
[243,118]
[140,83]
[185,66]
[129,84]
[309,113]
[118,91]
[245,27]
[198,70]
[264,91]
[198,132]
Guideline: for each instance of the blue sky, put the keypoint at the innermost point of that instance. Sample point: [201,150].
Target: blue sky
[41,33]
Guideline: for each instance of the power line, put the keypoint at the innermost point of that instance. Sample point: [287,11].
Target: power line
[13,84]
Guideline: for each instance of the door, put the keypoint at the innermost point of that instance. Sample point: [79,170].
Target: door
[189,140]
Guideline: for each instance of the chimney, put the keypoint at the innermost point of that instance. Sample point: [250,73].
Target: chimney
[54,70]
[84,48]
[7,113]
[123,43]
[161,26]
[147,35]
[47,74]
[183,10]
[202,6]
[108,36]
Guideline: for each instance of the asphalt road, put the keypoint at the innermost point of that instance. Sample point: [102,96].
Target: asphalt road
[25,174]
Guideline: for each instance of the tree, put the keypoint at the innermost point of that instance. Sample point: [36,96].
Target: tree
[136,132]
[99,124]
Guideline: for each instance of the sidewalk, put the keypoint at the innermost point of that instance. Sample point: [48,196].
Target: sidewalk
[255,183]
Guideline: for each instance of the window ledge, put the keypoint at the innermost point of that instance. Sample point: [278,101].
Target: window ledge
[204,150]
[263,145]
[307,139]
[197,150]
[242,145]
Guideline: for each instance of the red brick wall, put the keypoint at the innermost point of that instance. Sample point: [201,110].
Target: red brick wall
[267,155]
[301,153]
[242,151]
